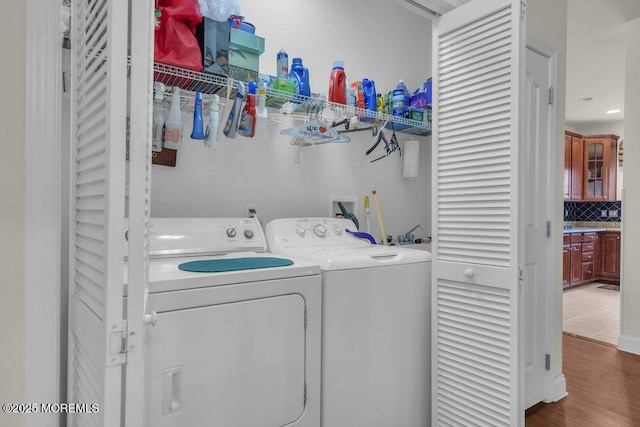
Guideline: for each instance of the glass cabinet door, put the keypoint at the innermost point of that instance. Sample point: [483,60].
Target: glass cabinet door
[595,176]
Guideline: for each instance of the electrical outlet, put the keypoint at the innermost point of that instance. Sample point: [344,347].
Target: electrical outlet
[250,211]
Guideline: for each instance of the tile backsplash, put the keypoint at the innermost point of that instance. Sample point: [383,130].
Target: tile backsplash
[593,211]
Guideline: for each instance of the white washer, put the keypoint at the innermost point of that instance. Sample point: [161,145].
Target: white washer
[376,323]
[235,348]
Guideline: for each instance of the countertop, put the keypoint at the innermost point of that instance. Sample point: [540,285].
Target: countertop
[589,230]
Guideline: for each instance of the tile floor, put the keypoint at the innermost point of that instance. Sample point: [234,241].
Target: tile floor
[591,312]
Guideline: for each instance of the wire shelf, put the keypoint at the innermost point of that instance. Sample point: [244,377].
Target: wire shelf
[288,103]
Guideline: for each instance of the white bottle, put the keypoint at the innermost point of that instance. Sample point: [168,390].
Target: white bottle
[261,113]
[158,116]
[173,124]
[211,134]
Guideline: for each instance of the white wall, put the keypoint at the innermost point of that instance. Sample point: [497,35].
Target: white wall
[630,286]
[547,21]
[264,172]
[12,284]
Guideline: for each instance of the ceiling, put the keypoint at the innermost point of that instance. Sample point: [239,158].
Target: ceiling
[596,57]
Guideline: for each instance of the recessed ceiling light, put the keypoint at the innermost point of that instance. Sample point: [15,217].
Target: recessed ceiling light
[613,111]
[585,99]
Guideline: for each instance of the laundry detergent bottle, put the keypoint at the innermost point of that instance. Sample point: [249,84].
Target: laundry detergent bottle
[338,83]
[369,88]
[299,74]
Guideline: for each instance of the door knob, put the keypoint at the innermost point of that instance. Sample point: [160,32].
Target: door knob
[468,272]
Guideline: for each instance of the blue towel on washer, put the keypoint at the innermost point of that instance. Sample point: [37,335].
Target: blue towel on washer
[233,264]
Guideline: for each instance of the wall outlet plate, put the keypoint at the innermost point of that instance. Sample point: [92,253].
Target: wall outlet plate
[250,211]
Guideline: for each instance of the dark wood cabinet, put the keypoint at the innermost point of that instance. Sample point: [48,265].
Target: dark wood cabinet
[566,261]
[573,166]
[610,256]
[590,167]
[587,257]
[599,173]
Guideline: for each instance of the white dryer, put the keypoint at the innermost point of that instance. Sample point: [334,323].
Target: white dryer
[237,347]
[376,323]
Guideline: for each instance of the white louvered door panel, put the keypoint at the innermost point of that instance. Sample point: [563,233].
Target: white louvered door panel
[477,74]
[99,94]
[141,77]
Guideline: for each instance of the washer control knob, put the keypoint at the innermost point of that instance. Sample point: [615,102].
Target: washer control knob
[231,232]
[338,230]
[320,230]
[248,234]
[300,231]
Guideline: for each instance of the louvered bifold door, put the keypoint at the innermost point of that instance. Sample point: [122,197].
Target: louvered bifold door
[477,73]
[99,94]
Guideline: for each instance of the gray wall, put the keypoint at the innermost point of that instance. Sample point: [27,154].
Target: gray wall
[264,173]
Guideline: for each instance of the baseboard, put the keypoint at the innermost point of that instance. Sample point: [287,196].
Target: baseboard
[559,387]
[629,344]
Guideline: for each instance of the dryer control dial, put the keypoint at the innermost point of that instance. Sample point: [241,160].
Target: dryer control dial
[231,232]
[337,230]
[248,234]
[320,230]
[300,231]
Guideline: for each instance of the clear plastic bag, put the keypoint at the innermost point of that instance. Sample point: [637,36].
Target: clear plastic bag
[219,10]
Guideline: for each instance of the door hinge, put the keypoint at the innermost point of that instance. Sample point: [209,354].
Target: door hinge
[551,95]
[118,343]
[548,229]
[547,362]
[304,397]
[305,317]
[520,274]
[523,8]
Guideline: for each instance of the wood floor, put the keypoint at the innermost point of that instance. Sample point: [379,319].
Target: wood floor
[603,385]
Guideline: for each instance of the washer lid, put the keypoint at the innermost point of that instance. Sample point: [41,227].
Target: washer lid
[325,241]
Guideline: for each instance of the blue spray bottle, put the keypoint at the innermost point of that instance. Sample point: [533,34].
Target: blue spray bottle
[198,123]
[231,127]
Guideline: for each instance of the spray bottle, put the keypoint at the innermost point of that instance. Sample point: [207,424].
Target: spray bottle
[231,127]
[198,123]
[247,125]
[211,135]
[173,125]
[261,112]
[158,116]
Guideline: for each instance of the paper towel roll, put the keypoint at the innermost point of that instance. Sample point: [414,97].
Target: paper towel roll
[411,159]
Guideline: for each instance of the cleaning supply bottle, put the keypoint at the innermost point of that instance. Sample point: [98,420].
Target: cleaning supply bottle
[158,116]
[173,125]
[406,98]
[379,103]
[261,112]
[247,124]
[198,123]
[282,65]
[211,134]
[338,83]
[369,88]
[231,127]
[299,74]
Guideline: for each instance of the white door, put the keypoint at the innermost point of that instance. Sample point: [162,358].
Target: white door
[536,187]
[478,73]
[98,110]
[101,341]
